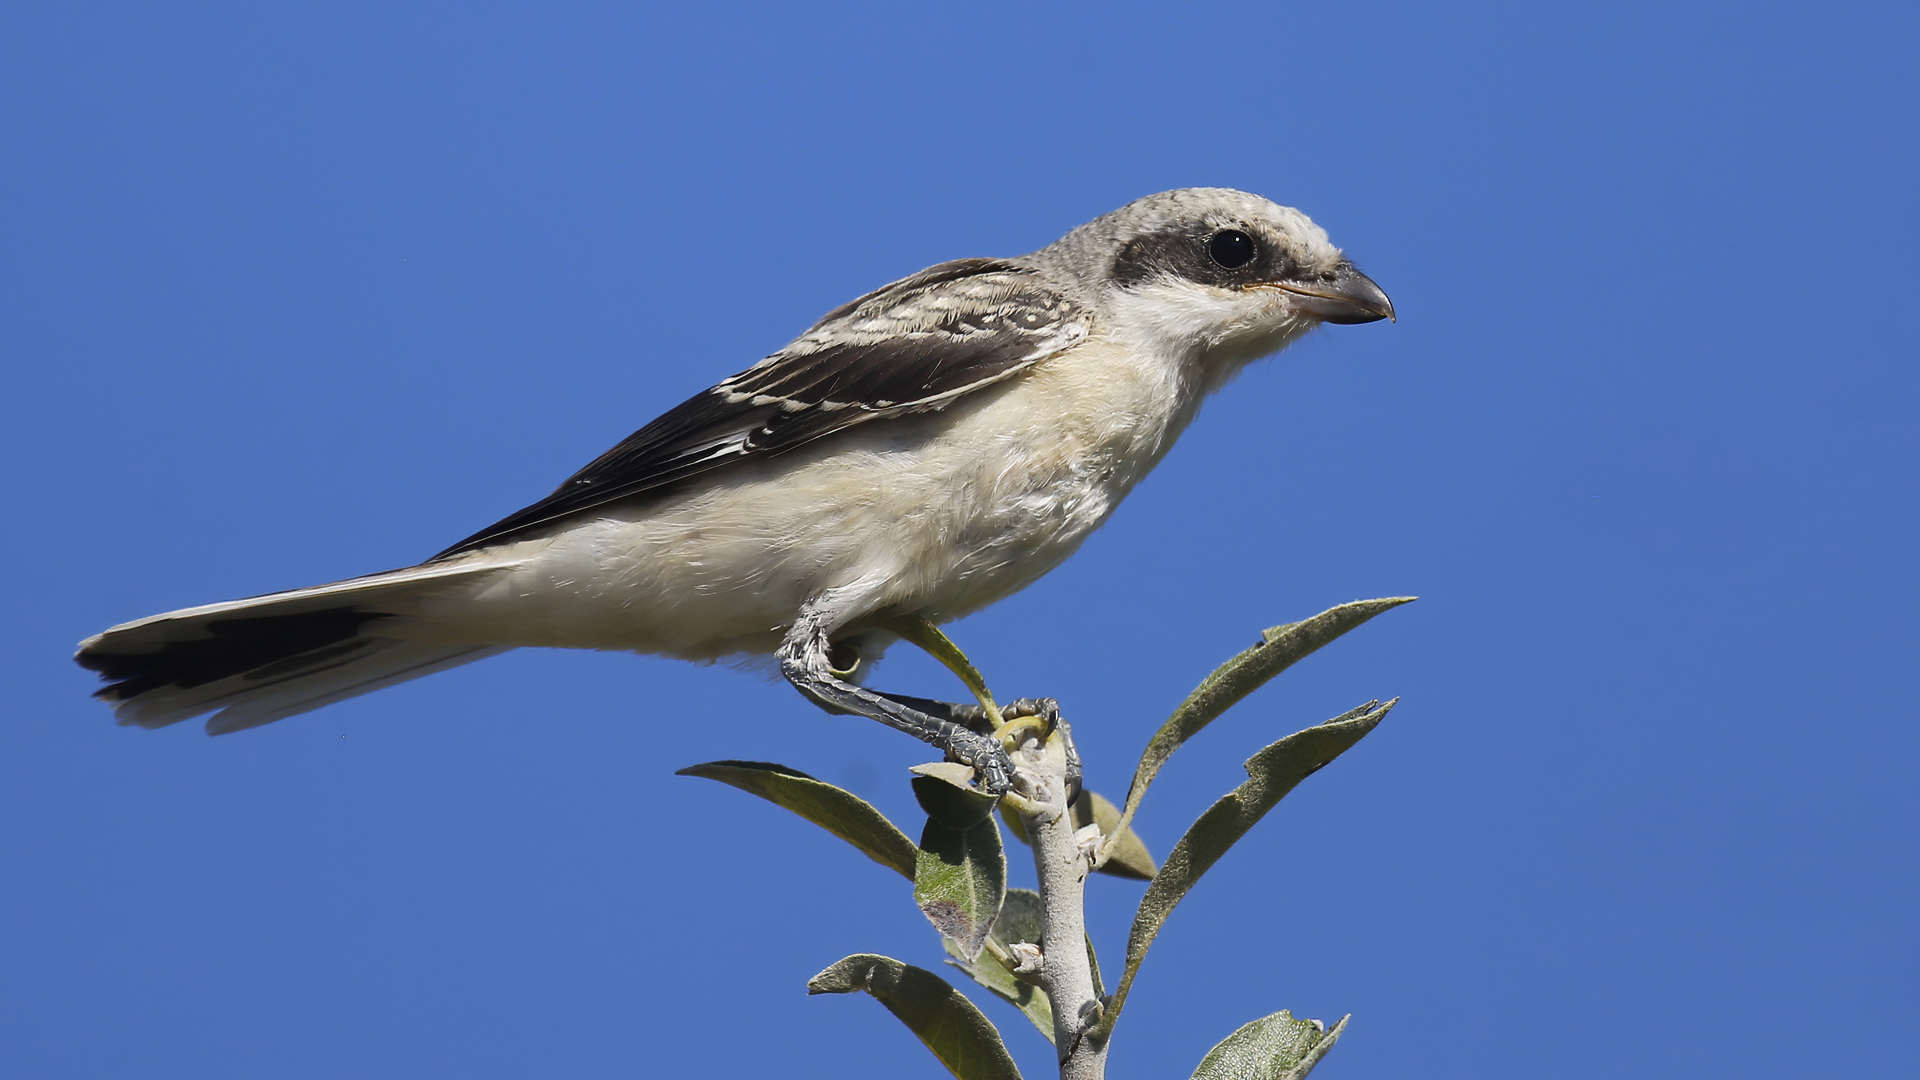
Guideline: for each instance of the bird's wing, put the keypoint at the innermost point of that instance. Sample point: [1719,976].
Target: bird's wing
[916,345]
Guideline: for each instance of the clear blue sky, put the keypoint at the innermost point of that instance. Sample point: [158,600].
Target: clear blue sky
[291,292]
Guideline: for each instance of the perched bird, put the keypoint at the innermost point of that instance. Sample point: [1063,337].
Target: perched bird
[920,452]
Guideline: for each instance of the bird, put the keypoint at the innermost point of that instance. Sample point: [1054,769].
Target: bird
[919,453]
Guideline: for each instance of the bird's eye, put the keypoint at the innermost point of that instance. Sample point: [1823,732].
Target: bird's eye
[1231,248]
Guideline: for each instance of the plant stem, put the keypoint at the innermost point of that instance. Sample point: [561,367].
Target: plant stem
[1062,862]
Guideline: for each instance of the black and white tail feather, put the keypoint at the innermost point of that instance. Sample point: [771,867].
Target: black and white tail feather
[270,657]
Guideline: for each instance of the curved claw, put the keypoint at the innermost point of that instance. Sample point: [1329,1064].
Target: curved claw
[1048,711]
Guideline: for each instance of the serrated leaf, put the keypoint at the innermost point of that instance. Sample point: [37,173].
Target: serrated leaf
[1020,921]
[1271,773]
[841,813]
[1276,1047]
[1128,856]
[964,1040]
[1277,650]
[960,870]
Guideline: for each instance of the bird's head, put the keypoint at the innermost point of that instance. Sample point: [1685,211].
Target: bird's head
[1227,275]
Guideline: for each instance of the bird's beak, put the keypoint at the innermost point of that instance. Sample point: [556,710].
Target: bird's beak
[1344,295]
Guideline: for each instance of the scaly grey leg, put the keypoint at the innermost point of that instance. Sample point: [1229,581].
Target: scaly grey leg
[970,715]
[805,663]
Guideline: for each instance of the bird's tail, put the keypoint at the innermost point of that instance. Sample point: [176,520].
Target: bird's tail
[271,657]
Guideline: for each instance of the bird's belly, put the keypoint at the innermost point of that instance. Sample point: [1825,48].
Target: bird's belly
[938,515]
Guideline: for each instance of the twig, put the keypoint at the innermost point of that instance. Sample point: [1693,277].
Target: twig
[1062,859]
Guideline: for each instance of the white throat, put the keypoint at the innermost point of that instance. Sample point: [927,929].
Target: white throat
[1212,333]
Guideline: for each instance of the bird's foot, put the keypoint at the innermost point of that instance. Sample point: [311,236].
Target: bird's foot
[992,765]
[1042,717]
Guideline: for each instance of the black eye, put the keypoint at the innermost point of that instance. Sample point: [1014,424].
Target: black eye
[1231,248]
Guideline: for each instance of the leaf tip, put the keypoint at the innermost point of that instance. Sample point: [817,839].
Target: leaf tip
[1377,605]
[707,769]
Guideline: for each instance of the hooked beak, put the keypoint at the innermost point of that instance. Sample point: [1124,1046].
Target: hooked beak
[1344,295]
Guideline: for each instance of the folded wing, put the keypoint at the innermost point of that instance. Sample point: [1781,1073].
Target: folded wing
[916,345]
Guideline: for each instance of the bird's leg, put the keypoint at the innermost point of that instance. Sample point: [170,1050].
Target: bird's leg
[805,661]
[846,660]
[1039,714]
[969,716]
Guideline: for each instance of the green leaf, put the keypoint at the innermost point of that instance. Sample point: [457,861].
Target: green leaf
[944,793]
[1019,921]
[936,644]
[956,775]
[960,872]
[1127,854]
[841,813]
[1276,1047]
[1271,773]
[1278,649]
[964,1040]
